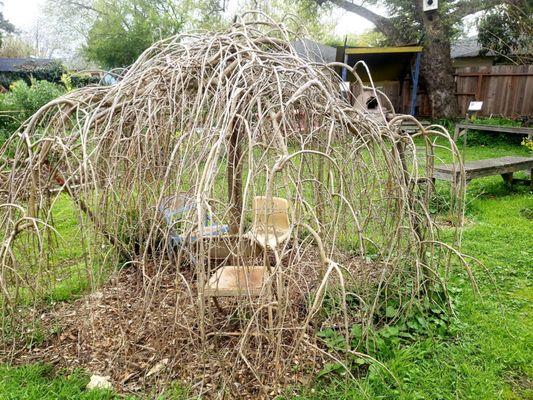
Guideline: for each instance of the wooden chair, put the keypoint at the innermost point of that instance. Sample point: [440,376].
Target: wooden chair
[270,226]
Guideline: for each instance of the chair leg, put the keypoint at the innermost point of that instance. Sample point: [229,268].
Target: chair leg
[217,305]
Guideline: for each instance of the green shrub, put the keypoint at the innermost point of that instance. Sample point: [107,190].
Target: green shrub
[22,101]
[481,138]
[49,72]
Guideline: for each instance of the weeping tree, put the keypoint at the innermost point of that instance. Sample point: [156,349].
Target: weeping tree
[221,118]
[407,22]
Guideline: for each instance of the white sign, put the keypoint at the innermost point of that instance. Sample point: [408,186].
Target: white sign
[430,5]
[475,106]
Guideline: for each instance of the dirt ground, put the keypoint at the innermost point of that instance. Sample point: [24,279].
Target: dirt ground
[142,330]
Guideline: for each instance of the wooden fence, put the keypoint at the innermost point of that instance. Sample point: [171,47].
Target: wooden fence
[505,90]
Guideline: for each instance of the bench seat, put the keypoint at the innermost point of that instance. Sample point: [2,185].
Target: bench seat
[504,166]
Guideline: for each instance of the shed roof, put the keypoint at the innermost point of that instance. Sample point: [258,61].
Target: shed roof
[384,50]
[314,51]
[21,64]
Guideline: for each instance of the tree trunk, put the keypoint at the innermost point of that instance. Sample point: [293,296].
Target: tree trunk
[235,180]
[436,67]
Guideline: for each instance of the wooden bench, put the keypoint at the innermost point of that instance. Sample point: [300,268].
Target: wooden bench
[462,128]
[504,166]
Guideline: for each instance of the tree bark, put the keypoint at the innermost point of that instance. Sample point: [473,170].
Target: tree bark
[235,179]
[436,67]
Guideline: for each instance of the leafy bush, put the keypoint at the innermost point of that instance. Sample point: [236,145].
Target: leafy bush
[22,101]
[528,144]
[77,80]
[49,72]
[481,138]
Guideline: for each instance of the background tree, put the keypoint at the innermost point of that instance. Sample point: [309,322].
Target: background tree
[407,23]
[507,31]
[6,27]
[304,15]
[369,38]
[15,47]
[123,29]
[113,33]
[67,25]
[39,36]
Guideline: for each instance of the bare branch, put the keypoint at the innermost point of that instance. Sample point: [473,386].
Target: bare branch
[468,7]
[383,24]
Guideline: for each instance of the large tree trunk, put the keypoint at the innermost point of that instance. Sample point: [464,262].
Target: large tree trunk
[437,70]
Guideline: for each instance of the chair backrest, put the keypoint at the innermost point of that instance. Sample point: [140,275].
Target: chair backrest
[271,213]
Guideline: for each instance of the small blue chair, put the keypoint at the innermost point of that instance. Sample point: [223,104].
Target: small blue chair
[177,205]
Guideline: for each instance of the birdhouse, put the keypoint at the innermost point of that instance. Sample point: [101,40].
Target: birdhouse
[430,5]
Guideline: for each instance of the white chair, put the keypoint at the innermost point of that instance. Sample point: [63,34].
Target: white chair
[270,226]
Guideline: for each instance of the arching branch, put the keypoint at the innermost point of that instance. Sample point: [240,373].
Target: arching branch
[465,8]
[383,24]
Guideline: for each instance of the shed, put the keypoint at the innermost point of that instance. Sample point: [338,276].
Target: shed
[467,52]
[395,70]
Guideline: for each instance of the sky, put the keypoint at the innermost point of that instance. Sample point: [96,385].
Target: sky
[22,13]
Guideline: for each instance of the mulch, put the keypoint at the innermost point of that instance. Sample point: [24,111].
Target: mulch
[142,330]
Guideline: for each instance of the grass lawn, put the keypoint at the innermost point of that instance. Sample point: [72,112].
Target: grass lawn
[489,353]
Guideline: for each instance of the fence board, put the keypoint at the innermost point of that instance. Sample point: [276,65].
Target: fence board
[505,90]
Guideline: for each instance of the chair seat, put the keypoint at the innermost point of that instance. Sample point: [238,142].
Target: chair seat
[207,232]
[233,281]
[269,239]
[271,226]
[229,246]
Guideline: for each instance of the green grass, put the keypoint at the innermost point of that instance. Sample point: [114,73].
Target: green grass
[488,354]
[490,357]
[491,354]
[41,382]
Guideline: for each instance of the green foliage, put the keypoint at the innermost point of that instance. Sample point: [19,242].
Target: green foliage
[124,29]
[77,80]
[22,101]
[42,382]
[528,144]
[369,38]
[507,31]
[51,72]
[481,138]
[426,319]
